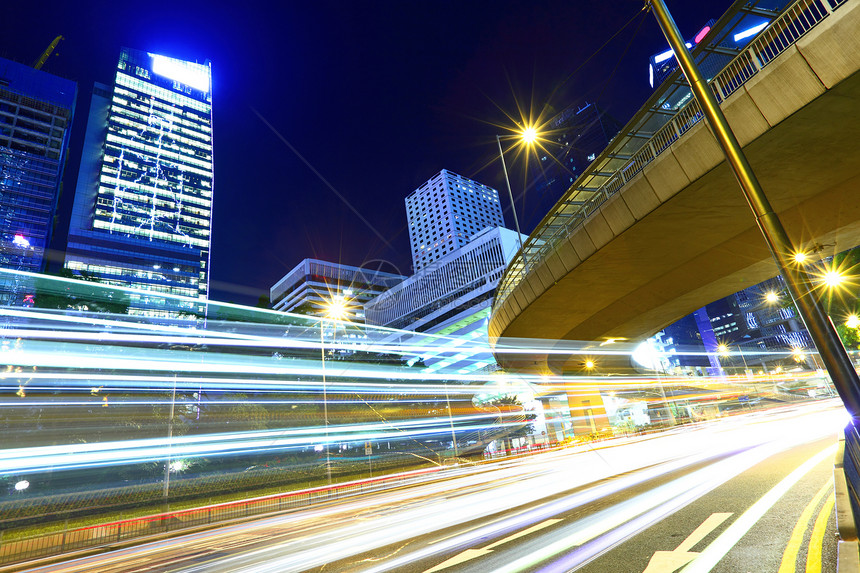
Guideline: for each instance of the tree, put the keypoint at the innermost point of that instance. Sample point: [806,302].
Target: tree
[511,402]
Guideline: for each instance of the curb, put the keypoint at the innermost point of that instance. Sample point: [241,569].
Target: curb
[848,547]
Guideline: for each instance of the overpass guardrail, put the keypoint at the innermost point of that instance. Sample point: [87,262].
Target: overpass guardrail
[653,130]
[118,532]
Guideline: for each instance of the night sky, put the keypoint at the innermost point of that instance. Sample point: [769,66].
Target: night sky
[376,96]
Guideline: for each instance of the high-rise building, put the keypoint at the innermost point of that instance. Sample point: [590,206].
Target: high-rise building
[143,203]
[313,285]
[741,322]
[36,110]
[570,142]
[446,212]
[715,57]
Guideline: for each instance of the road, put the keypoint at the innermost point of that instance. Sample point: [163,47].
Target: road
[749,493]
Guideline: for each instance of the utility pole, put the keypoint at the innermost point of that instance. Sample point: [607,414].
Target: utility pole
[791,265]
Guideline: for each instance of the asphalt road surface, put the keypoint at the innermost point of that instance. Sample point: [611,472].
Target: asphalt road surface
[752,493]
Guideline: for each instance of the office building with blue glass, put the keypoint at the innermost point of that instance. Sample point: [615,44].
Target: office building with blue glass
[143,203]
[569,143]
[36,111]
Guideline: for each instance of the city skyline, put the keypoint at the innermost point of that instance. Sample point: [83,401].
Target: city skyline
[422,96]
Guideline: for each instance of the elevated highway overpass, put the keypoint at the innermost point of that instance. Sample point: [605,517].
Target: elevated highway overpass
[658,227]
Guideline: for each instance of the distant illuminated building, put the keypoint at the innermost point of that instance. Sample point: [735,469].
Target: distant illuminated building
[745,322]
[313,285]
[457,285]
[446,212]
[143,203]
[36,110]
[452,297]
[662,64]
[569,143]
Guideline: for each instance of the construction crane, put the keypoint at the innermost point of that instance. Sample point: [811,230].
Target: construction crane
[47,53]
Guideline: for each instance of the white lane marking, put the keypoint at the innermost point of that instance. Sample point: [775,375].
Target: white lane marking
[703,530]
[714,552]
[467,555]
[524,532]
[669,561]
[470,554]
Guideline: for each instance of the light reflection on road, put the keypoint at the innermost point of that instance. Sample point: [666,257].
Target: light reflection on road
[477,504]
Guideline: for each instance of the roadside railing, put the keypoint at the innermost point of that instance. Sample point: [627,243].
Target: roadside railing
[851,466]
[94,536]
[793,23]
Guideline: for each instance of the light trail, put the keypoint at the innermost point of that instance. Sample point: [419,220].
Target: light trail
[88,399]
[477,506]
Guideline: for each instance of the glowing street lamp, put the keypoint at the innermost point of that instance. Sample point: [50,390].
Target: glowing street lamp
[771,297]
[528,136]
[833,278]
[334,309]
[22,485]
[723,350]
[853,321]
[589,365]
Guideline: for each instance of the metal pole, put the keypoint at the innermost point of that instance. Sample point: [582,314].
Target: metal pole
[511,197]
[672,421]
[451,420]
[166,489]
[795,274]
[325,404]
[743,359]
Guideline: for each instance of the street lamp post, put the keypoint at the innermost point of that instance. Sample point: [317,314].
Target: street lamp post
[723,350]
[334,309]
[510,195]
[788,259]
[166,489]
[451,421]
[672,420]
[528,136]
[325,404]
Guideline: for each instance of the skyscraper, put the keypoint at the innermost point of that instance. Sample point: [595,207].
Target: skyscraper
[446,212]
[36,110]
[571,141]
[143,203]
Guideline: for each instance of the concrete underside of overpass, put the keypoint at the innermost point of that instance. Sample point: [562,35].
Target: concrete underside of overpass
[681,235]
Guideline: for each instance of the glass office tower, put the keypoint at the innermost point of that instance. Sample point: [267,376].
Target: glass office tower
[143,203]
[36,111]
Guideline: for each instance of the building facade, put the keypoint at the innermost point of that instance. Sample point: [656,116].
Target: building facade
[445,213]
[570,142]
[314,284]
[36,112]
[143,203]
[460,283]
[451,298]
[744,322]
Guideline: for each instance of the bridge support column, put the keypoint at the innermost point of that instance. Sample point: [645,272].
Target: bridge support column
[791,265]
[588,413]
